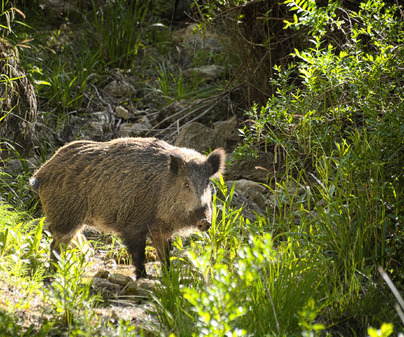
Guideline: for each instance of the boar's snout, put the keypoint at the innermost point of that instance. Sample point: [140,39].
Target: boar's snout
[204,225]
[202,218]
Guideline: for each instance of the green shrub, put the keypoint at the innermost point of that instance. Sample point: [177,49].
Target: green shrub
[339,131]
[346,116]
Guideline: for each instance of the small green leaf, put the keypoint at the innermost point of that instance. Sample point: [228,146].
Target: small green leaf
[42,82]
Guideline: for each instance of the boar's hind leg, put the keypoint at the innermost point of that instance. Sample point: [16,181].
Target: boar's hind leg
[136,245]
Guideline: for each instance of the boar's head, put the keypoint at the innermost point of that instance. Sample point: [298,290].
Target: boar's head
[191,175]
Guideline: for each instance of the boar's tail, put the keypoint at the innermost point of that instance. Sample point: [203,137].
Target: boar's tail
[34,184]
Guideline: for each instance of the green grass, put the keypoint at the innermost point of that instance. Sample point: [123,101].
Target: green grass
[172,85]
[62,306]
[13,183]
[116,31]
[241,280]
[69,81]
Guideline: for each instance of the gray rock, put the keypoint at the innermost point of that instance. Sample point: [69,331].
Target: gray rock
[102,122]
[252,190]
[153,269]
[104,274]
[199,137]
[208,72]
[148,284]
[105,287]
[285,193]
[18,165]
[126,310]
[131,289]
[193,38]
[135,129]
[141,287]
[228,129]
[94,129]
[121,112]
[120,89]
[260,169]
[249,207]
[120,279]
[111,263]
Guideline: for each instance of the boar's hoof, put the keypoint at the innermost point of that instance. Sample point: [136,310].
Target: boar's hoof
[140,273]
[204,225]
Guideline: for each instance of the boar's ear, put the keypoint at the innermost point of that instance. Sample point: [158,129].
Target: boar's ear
[176,164]
[216,161]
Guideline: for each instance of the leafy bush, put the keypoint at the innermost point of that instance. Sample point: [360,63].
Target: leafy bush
[355,87]
[347,117]
[340,134]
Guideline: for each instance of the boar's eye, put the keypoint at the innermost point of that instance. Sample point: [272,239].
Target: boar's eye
[186,185]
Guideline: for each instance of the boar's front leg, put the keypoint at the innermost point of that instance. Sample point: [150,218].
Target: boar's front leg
[162,243]
[136,245]
[62,234]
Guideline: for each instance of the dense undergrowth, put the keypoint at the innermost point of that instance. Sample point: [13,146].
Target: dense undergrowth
[309,265]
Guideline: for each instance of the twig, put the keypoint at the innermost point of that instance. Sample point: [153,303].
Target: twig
[396,293]
[200,106]
[189,122]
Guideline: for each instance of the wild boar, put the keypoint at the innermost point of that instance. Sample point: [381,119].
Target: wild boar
[135,187]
